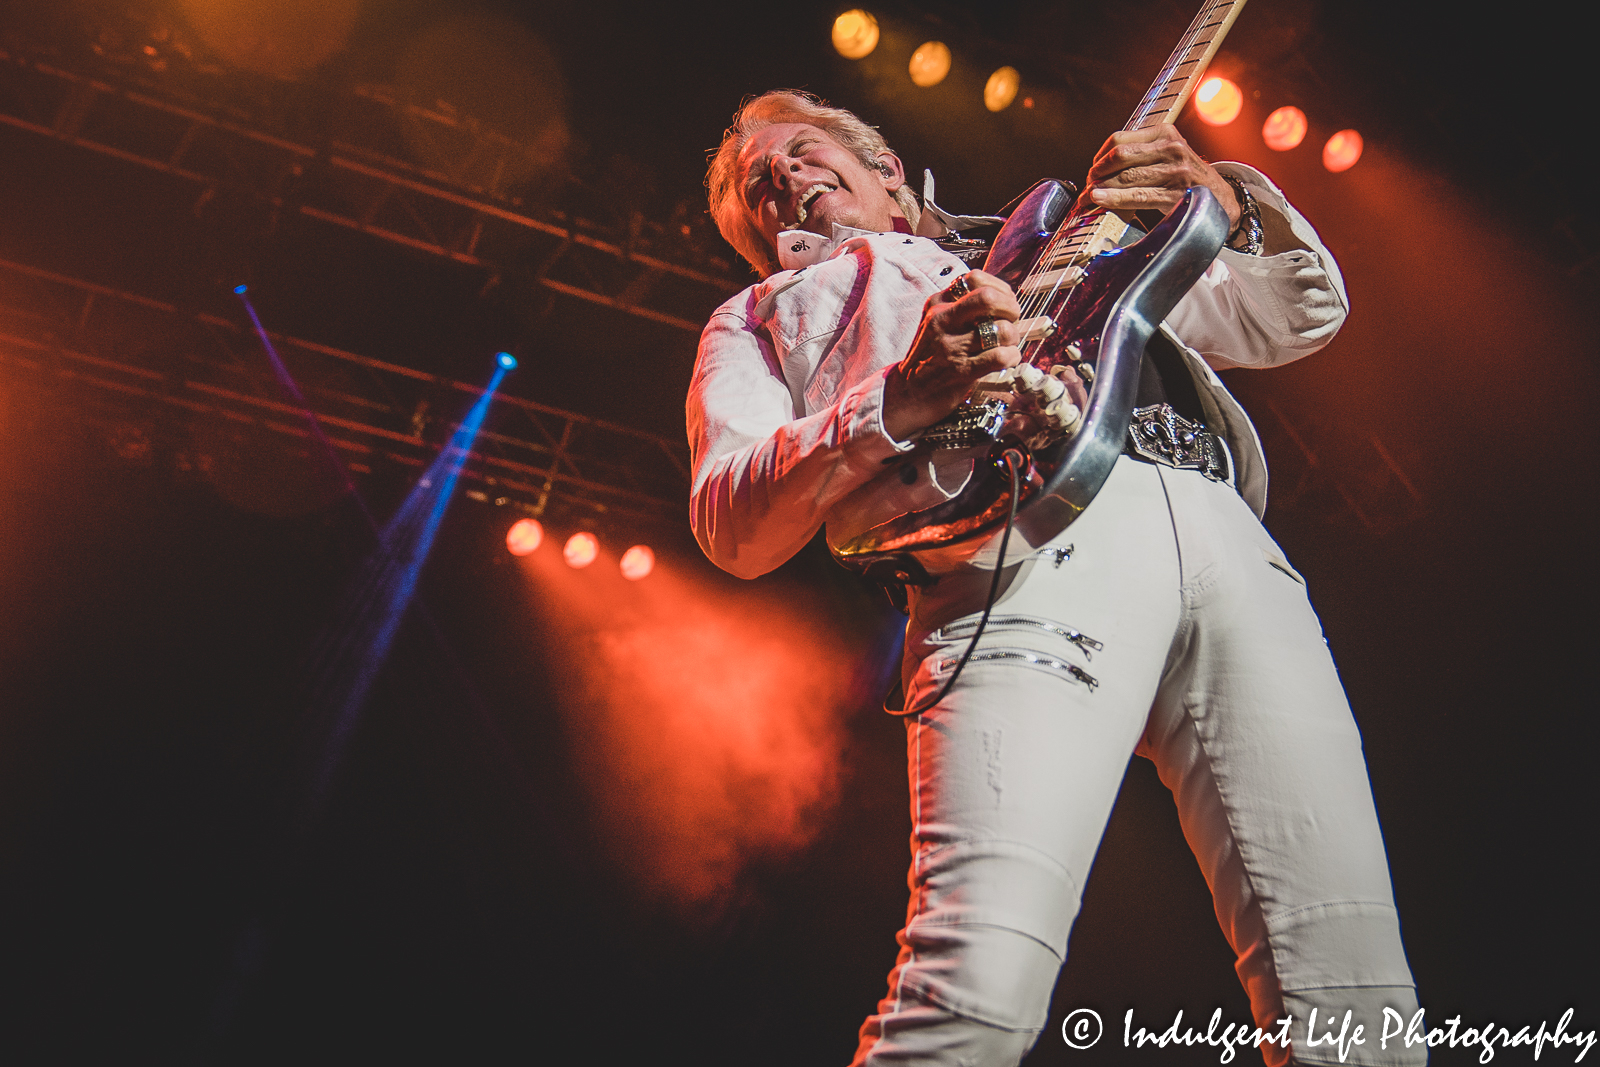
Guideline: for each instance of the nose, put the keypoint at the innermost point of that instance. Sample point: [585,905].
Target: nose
[784,170]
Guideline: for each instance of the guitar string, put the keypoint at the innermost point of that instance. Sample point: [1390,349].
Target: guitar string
[1090,222]
[1187,44]
[1013,459]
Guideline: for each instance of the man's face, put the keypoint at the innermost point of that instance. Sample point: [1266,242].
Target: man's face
[795,177]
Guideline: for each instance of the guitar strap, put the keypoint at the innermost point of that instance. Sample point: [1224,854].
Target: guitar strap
[1165,379]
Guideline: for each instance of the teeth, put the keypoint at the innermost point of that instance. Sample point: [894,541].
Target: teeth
[806,197]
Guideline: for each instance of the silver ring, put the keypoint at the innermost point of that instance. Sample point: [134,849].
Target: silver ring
[958,289]
[988,334]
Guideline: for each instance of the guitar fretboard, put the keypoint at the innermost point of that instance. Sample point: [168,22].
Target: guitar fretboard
[1096,231]
[1187,65]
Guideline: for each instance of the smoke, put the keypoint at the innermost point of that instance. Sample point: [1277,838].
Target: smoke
[708,724]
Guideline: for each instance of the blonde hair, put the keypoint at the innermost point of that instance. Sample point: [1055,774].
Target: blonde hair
[769,109]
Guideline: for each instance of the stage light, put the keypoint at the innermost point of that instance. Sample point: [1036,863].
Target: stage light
[240,290]
[637,562]
[1284,129]
[1001,88]
[1342,151]
[930,63]
[855,34]
[506,360]
[1218,101]
[283,40]
[524,536]
[581,550]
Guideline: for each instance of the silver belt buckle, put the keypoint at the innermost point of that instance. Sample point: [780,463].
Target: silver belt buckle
[1161,435]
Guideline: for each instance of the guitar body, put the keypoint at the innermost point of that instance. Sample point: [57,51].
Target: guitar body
[1106,300]
[1030,224]
[1103,321]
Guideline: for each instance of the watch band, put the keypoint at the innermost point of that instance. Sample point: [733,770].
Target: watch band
[1248,232]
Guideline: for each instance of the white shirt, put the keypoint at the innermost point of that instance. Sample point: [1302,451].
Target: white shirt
[785,410]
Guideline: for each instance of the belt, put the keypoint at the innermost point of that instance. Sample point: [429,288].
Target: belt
[1158,434]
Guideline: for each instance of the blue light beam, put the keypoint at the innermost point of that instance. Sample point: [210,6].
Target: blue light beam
[385,588]
[356,643]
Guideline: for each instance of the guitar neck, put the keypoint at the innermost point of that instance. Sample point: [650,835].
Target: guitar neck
[1095,231]
[1186,66]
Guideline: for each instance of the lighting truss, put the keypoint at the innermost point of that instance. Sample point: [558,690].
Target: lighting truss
[145,360]
[342,168]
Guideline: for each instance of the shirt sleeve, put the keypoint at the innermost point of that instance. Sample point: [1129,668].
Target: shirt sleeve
[1261,311]
[764,475]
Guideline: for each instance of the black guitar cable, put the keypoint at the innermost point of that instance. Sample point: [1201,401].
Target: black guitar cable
[1014,461]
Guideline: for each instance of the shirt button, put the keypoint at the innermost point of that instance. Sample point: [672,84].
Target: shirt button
[908,240]
[947,270]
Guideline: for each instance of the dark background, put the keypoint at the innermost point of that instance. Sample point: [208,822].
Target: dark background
[454,903]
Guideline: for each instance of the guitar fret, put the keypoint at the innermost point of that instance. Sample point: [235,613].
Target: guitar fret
[1178,76]
[1061,265]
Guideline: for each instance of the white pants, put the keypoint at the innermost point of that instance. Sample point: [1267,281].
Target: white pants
[1176,630]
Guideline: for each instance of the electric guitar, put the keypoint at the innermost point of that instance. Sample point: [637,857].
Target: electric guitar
[1106,293]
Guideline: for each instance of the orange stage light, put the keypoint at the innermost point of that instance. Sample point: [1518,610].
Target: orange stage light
[855,34]
[724,710]
[1342,151]
[638,562]
[581,550]
[1284,129]
[280,38]
[524,536]
[930,63]
[1218,101]
[1001,88]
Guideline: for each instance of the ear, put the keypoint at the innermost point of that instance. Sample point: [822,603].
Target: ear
[891,171]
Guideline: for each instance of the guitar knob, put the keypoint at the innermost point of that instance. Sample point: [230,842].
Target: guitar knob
[1086,372]
[1075,353]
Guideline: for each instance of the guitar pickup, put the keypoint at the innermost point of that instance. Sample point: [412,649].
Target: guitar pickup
[969,426]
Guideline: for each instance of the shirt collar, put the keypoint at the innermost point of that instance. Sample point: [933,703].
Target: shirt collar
[801,248]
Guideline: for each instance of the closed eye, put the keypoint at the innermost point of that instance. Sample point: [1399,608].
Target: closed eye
[750,189]
[761,173]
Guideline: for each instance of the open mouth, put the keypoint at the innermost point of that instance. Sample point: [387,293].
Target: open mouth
[802,207]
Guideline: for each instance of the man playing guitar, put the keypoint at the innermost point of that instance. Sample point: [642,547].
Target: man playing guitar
[1164,621]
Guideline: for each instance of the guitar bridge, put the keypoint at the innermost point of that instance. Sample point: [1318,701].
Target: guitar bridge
[969,426]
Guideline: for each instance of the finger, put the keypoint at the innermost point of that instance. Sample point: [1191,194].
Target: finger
[1136,199]
[1076,389]
[1161,131]
[1002,334]
[966,283]
[1123,137]
[1140,165]
[992,360]
[1115,158]
[985,302]
[952,292]
[977,278]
